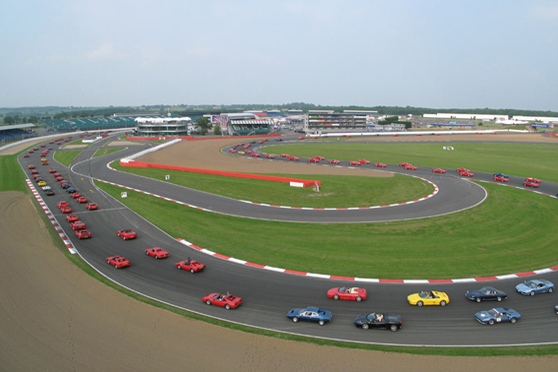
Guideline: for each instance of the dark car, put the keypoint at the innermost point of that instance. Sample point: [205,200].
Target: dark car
[486,293]
[311,313]
[71,190]
[378,320]
[500,175]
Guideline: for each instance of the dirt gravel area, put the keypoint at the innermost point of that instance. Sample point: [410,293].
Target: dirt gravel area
[57,318]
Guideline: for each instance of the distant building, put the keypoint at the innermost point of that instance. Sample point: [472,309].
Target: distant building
[444,115]
[328,120]
[163,127]
[243,124]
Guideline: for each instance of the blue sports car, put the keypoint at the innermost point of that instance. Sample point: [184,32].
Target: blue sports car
[497,315]
[535,286]
[313,314]
[486,293]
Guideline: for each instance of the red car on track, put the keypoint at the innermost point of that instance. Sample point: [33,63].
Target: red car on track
[81,199]
[364,161]
[438,170]
[30,166]
[66,209]
[63,204]
[466,173]
[333,161]
[92,206]
[52,170]
[26,155]
[127,234]
[402,164]
[228,301]
[156,252]
[75,195]
[285,155]
[118,261]
[191,265]
[410,167]
[354,162]
[294,158]
[501,179]
[313,160]
[347,293]
[380,165]
[72,218]
[78,225]
[531,184]
[255,155]
[532,179]
[269,156]
[83,234]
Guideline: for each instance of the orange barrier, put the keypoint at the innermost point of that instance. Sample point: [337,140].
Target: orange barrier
[291,181]
[552,134]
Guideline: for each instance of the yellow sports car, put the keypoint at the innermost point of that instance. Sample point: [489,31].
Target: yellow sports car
[41,183]
[428,298]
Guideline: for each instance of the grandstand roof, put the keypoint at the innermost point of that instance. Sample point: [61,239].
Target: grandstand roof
[17,126]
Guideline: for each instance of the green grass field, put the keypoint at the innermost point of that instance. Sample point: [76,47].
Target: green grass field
[12,177]
[335,192]
[526,160]
[66,157]
[465,244]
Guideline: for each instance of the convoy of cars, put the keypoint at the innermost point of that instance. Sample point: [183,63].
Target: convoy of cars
[322,316]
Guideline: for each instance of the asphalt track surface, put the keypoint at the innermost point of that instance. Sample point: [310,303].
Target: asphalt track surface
[269,295]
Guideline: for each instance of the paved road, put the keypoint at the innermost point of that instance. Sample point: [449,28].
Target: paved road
[268,295]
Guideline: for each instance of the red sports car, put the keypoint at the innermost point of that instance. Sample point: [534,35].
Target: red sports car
[294,158]
[438,170]
[354,162]
[466,173]
[501,179]
[52,170]
[410,167]
[255,155]
[78,225]
[26,155]
[156,252]
[72,218]
[83,234]
[66,209]
[92,206]
[118,261]
[459,170]
[333,161]
[75,195]
[285,155]
[364,161]
[347,293]
[30,166]
[532,179]
[313,160]
[44,162]
[380,165]
[402,164]
[82,199]
[531,184]
[269,156]
[127,234]
[34,171]
[63,204]
[192,265]
[228,301]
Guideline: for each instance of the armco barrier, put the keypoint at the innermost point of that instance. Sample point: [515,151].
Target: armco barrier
[139,164]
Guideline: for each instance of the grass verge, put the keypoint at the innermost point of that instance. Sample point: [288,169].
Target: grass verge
[464,244]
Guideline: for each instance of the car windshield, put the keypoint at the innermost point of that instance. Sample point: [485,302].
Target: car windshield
[493,312]
[531,284]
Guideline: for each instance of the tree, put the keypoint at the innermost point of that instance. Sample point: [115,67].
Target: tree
[203,124]
[217,130]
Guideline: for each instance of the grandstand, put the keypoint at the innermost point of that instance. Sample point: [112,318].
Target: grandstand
[243,124]
[90,124]
[16,132]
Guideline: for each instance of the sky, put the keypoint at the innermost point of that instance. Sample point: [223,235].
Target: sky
[500,54]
